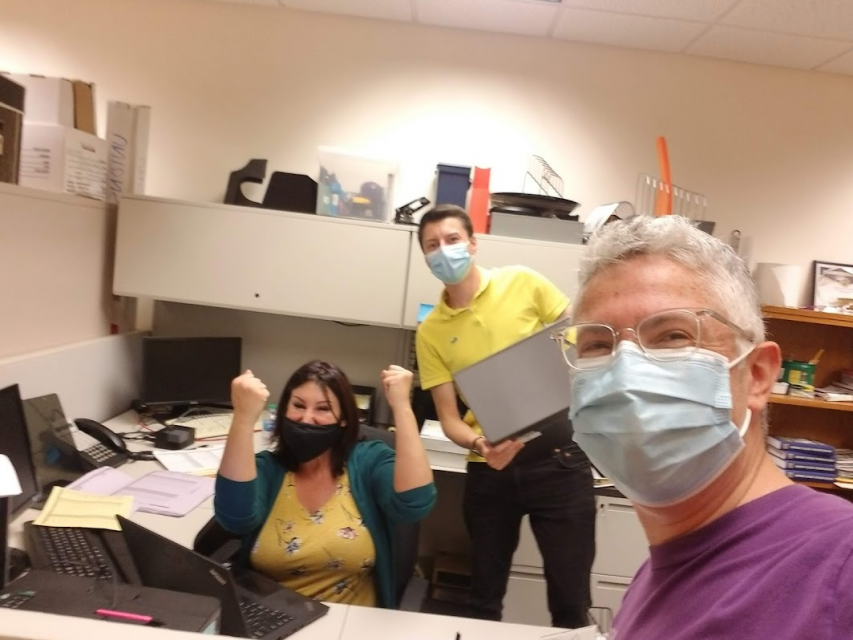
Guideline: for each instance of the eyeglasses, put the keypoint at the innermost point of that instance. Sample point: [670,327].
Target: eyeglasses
[674,334]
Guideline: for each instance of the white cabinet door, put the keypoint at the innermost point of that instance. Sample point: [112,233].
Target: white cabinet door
[608,591]
[246,258]
[527,556]
[526,601]
[621,545]
[556,261]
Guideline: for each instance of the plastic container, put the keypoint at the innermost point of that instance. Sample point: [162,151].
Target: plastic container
[479,207]
[798,373]
[269,417]
[353,185]
[452,184]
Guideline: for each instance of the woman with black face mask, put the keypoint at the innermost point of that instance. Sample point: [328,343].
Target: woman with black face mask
[317,513]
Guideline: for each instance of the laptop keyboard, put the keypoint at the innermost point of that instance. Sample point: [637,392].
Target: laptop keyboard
[261,620]
[15,600]
[69,551]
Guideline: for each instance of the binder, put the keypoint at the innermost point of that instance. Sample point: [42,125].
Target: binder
[802,445]
[794,465]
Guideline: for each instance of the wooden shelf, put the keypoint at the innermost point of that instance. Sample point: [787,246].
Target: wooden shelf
[813,403]
[807,315]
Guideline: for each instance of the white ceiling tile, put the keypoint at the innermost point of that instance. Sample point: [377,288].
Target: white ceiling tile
[619,30]
[704,11]
[842,64]
[760,47]
[382,9]
[507,16]
[819,18]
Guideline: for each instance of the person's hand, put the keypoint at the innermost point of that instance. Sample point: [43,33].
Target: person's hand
[498,456]
[249,396]
[397,383]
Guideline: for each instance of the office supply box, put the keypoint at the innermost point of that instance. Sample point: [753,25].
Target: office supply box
[11,123]
[127,139]
[63,160]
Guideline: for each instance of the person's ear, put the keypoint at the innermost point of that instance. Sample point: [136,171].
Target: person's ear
[764,363]
[472,245]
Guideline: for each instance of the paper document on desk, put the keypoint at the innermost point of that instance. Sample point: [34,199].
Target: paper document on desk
[68,508]
[432,430]
[168,493]
[164,492]
[203,461]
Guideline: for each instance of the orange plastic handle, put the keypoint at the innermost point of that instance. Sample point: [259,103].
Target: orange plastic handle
[663,197]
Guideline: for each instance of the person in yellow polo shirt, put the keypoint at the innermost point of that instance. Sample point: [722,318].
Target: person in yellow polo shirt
[480,313]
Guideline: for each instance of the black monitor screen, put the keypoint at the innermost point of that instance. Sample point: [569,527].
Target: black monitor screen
[15,443]
[189,370]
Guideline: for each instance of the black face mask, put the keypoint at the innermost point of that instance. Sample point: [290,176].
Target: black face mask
[307,441]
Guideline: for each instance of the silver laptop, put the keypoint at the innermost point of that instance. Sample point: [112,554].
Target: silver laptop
[517,392]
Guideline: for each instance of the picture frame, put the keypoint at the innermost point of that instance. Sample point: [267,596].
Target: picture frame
[832,286]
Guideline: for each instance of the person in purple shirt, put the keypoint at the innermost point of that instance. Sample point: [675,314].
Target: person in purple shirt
[671,376]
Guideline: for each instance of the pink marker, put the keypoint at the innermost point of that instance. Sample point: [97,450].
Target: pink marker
[125,615]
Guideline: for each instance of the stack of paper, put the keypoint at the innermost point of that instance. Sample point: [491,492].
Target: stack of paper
[68,508]
[432,430]
[203,461]
[165,492]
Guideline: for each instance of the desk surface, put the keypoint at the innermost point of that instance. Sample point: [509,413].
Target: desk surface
[341,623]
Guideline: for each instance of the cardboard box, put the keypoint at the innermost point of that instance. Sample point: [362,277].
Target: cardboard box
[48,100]
[84,106]
[63,160]
[127,137]
[11,123]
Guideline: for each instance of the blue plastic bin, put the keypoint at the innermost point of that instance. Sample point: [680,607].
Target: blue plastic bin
[452,184]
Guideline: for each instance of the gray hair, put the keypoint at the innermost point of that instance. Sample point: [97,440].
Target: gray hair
[725,276]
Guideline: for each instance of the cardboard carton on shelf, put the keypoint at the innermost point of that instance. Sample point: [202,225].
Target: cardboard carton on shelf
[63,160]
[59,101]
[127,140]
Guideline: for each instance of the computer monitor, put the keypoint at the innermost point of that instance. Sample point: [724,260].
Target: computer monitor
[189,371]
[15,443]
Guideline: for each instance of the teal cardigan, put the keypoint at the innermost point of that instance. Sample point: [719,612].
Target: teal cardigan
[243,507]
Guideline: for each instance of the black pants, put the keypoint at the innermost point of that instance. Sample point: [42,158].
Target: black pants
[555,489]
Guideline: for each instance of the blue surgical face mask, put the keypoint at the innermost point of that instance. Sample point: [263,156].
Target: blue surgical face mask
[450,263]
[661,431]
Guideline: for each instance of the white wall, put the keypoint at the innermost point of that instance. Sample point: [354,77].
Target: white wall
[771,148]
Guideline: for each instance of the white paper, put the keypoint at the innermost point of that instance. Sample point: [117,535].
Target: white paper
[432,430]
[204,460]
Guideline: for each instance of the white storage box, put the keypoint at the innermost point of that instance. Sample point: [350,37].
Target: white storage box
[63,160]
[127,139]
[47,100]
[355,186]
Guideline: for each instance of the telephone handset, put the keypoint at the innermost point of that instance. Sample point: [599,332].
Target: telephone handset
[96,444]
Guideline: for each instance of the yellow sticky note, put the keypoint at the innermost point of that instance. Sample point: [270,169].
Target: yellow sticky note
[69,508]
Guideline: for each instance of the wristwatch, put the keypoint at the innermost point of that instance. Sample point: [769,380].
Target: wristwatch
[473,448]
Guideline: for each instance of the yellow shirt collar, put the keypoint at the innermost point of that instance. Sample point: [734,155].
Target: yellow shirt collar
[446,311]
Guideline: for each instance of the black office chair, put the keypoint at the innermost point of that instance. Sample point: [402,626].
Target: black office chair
[215,542]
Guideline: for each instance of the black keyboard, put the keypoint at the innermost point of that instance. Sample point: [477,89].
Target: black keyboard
[261,620]
[74,552]
[15,600]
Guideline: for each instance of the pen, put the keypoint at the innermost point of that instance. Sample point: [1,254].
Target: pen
[126,615]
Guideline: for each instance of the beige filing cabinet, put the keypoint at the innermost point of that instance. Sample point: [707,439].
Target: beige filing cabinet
[621,548]
[559,262]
